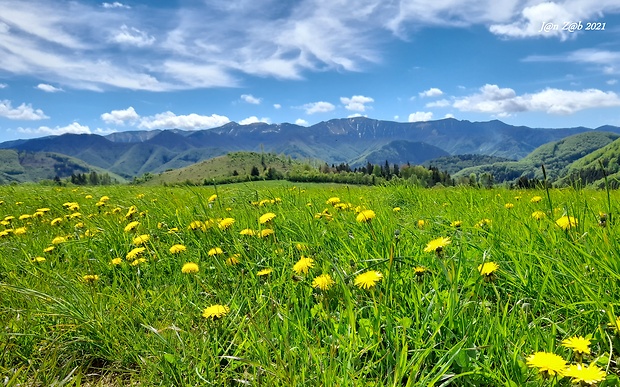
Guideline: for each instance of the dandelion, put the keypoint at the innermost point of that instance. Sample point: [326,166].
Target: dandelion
[140,196]
[566,222]
[456,223]
[196,225]
[49,249]
[189,268]
[116,261]
[100,204]
[20,231]
[56,221]
[578,344]
[132,226]
[303,265]
[548,364]
[421,223]
[333,201]
[25,217]
[88,197]
[43,210]
[38,259]
[215,312]
[138,261]
[301,246]
[233,260]
[141,239]
[484,223]
[586,375]
[247,231]
[615,325]
[396,209]
[176,249]
[104,199]
[79,225]
[212,198]
[132,210]
[536,199]
[323,282]
[538,215]
[365,216]
[133,254]
[215,251]
[437,245]
[266,232]
[90,278]
[368,279]
[58,240]
[264,272]
[488,269]
[265,218]
[226,223]
[509,206]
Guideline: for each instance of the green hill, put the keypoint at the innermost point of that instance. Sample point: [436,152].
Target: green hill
[587,170]
[21,167]
[232,166]
[400,152]
[453,164]
[555,156]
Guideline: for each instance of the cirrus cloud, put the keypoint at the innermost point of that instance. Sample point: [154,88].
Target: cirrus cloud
[48,88]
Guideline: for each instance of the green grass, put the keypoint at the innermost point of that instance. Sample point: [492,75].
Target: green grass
[143,324]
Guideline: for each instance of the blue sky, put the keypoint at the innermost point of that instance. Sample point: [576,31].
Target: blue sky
[98,67]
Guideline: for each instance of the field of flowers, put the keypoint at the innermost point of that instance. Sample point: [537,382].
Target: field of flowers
[309,285]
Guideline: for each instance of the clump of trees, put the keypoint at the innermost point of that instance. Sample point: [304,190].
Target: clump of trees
[92,178]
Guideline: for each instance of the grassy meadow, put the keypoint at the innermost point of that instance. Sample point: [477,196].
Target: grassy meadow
[275,284]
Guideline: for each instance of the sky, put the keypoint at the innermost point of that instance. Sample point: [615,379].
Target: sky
[85,66]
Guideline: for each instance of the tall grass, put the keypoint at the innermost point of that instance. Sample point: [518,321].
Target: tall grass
[142,324]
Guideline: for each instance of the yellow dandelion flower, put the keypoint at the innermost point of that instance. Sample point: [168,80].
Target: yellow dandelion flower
[215,312]
[333,201]
[247,231]
[547,363]
[58,240]
[303,265]
[456,223]
[138,261]
[38,259]
[509,206]
[264,272]
[100,204]
[176,249]
[266,232]
[265,218]
[437,244]
[586,375]
[88,197]
[25,216]
[117,210]
[116,261]
[233,260]
[301,246]
[38,214]
[420,270]
[368,279]
[75,215]
[133,254]
[226,223]
[132,226]
[567,222]
[49,249]
[196,225]
[215,251]
[421,223]
[365,216]
[212,198]
[488,268]
[4,233]
[141,239]
[132,210]
[79,225]
[484,223]
[323,282]
[56,221]
[44,209]
[189,268]
[538,215]
[19,231]
[140,196]
[9,218]
[90,278]
[396,209]
[536,199]
[615,325]
[578,344]
[104,199]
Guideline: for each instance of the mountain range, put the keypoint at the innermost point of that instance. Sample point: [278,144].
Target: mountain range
[352,140]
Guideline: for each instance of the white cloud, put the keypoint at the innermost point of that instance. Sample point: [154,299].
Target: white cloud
[432,92]
[115,4]
[301,122]
[133,37]
[318,107]
[355,115]
[612,81]
[22,112]
[105,131]
[357,103]
[420,116]
[253,120]
[120,117]
[249,98]
[604,60]
[169,120]
[3,85]
[449,115]
[277,106]
[74,128]
[48,88]
[503,102]
[438,104]
[396,117]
